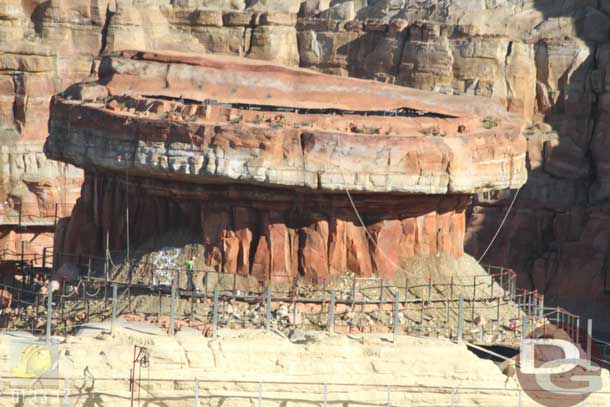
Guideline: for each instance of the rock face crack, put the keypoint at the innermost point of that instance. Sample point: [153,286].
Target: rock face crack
[104,32]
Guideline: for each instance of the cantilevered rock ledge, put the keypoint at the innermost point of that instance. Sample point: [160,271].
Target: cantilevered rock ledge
[226,120]
[255,159]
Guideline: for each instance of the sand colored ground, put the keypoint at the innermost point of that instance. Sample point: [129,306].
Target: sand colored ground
[421,372]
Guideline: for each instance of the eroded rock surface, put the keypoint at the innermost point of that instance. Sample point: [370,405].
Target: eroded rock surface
[544,59]
[258,158]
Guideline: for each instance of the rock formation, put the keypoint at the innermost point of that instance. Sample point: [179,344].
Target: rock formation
[544,59]
[258,158]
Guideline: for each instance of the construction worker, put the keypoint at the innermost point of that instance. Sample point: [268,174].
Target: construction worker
[189,273]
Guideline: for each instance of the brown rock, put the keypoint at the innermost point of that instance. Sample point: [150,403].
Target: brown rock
[385,252]
[314,256]
[358,251]
[214,226]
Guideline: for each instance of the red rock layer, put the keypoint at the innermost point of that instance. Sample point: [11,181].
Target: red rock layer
[270,233]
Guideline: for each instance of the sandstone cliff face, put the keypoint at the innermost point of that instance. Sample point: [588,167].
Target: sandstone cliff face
[256,158]
[269,234]
[544,59]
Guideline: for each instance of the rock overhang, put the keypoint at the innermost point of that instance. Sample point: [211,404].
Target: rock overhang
[215,119]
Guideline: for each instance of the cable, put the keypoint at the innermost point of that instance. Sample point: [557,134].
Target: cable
[95,294]
[510,207]
[74,291]
[366,230]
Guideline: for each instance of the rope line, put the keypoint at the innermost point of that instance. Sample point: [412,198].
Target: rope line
[366,230]
[510,207]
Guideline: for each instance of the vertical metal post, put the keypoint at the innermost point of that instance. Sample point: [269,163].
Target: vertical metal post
[524,329]
[260,394]
[381,291]
[22,265]
[294,307]
[106,258]
[389,396]
[491,283]
[192,319]
[49,309]
[196,393]
[36,305]
[160,306]
[129,294]
[215,312]
[541,307]
[474,295]
[589,336]
[325,394]
[172,311]
[55,217]
[205,286]
[453,394]
[66,393]
[501,283]
[460,318]
[396,309]
[451,290]
[127,212]
[268,310]
[87,308]
[429,289]
[115,290]
[331,312]
[447,312]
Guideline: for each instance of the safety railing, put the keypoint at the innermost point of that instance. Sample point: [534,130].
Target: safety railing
[20,215]
[143,387]
[31,254]
[496,289]
[566,321]
[419,308]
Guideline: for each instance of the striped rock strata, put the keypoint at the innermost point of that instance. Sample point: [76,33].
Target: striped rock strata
[259,159]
